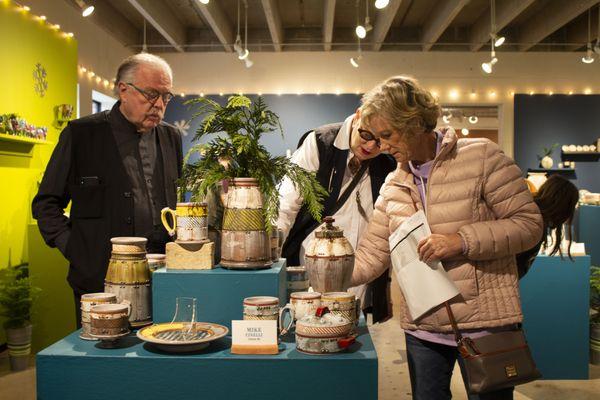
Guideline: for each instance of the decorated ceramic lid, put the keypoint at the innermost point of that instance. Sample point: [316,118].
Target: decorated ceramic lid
[129,240]
[261,301]
[323,318]
[338,296]
[305,295]
[329,231]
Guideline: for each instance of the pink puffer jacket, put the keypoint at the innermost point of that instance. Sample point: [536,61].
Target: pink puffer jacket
[476,190]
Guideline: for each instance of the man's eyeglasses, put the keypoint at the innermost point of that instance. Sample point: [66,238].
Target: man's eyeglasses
[153,95]
[368,136]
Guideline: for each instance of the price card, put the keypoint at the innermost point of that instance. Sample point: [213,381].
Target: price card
[254,337]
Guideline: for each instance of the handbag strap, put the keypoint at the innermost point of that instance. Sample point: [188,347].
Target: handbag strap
[457,336]
[342,199]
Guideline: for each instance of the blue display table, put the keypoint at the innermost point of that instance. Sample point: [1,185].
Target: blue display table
[588,233]
[76,369]
[555,299]
[219,292]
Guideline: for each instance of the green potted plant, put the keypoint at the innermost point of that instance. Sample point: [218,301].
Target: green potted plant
[545,159]
[595,317]
[237,167]
[16,298]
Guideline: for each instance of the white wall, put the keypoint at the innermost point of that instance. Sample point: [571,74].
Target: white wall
[98,50]
[442,72]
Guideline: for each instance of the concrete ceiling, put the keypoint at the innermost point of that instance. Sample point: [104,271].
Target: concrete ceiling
[328,25]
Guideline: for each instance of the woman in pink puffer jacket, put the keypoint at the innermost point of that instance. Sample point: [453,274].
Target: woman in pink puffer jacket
[480,212]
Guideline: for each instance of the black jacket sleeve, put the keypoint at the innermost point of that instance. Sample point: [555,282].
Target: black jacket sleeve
[53,196]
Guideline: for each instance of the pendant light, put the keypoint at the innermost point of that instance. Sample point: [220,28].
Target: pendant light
[379,4]
[589,57]
[86,9]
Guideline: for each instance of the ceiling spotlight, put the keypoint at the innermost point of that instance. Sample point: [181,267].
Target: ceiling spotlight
[244,54]
[204,1]
[464,131]
[379,4]
[589,57]
[86,10]
[473,119]
[487,67]
[361,31]
[446,118]
[354,61]
[499,41]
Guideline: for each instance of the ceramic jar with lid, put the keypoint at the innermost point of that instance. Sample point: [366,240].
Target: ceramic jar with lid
[323,333]
[329,259]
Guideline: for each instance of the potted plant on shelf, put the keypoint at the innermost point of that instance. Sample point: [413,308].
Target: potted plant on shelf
[16,298]
[245,175]
[595,317]
[545,159]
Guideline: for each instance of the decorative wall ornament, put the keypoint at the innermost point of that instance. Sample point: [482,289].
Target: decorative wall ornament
[39,78]
[183,126]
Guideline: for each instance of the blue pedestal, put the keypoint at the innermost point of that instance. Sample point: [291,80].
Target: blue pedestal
[589,220]
[76,369]
[219,292]
[555,299]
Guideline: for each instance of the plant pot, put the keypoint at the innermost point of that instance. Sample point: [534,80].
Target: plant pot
[245,243]
[19,347]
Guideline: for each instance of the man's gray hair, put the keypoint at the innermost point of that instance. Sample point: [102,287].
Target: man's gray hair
[128,68]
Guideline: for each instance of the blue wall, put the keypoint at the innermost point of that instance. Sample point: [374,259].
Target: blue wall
[542,120]
[298,114]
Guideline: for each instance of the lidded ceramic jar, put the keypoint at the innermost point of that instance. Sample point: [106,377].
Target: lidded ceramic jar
[329,259]
[323,332]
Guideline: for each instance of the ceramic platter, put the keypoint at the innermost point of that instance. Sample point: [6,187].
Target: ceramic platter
[170,337]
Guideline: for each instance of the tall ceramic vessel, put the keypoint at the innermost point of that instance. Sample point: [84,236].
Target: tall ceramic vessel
[329,259]
[245,243]
[128,277]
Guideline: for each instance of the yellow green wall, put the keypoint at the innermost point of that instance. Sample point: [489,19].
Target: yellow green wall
[24,42]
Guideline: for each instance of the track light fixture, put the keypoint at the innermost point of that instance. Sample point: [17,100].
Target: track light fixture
[204,1]
[354,61]
[446,118]
[488,67]
[473,119]
[498,40]
[464,131]
[86,10]
[242,50]
[379,4]
[589,56]
[362,30]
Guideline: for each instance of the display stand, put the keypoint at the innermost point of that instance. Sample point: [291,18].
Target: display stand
[76,369]
[555,301]
[219,292]
[589,220]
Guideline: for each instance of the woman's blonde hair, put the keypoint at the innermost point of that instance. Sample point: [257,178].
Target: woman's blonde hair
[403,103]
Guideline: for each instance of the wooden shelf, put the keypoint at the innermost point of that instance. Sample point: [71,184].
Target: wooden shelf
[21,139]
[582,156]
[553,170]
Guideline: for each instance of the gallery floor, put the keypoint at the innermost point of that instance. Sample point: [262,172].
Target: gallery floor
[394,383]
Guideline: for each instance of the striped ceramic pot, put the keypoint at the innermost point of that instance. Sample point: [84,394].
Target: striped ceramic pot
[89,300]
[18,341]
[245,243]
[341,303]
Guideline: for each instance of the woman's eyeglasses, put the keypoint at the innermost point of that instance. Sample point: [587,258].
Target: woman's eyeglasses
[368,136]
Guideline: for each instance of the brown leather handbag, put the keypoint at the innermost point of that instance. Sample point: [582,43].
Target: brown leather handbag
[496,361]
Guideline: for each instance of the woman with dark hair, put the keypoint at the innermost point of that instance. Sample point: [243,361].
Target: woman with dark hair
[556,199]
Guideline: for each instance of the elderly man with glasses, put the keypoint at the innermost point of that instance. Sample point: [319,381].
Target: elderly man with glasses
[118,169]
[348,162]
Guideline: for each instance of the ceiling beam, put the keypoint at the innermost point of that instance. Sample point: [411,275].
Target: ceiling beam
[383,23]
[113,22]
[440,19]
[550,19]
[328,17]
[506,12]
[274,22]
[218,22]
[163,20]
